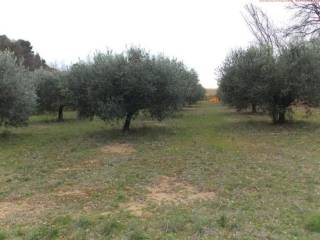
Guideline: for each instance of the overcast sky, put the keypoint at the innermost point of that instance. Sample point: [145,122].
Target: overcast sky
[199,32]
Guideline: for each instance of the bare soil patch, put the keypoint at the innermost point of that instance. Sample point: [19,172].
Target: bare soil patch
[118,148]
[12,208]
[19,210]
[71,193]
[168,190]
[76,192]
[136,208]
[68,169]
[89,164]
[30,209]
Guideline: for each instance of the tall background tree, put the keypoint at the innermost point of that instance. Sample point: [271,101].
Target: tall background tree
[263,29]
[306,19]
[23,51]
[17,95]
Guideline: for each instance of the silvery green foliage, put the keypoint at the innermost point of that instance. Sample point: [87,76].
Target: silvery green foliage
[17,92]
[136,81]
[120,86]
[80,80]
[272,81]
[296,79]
[52,90]
[245,75]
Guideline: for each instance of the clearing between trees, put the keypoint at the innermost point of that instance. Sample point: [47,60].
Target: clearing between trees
[208,173]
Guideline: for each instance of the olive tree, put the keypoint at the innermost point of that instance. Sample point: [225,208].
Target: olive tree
[17,95]
[80,80]
[120,86]
[244,77]
[134,81]
[52,91]
[296,79]
[275,81]
[192,89]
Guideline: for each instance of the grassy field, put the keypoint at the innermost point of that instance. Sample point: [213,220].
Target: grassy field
[208,173]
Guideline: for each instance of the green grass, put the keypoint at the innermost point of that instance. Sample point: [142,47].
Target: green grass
[57,183]
[314,224]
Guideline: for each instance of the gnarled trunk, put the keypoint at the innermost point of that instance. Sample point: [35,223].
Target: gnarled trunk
[254,108]
[282,117]
[60,113]
[126,126]
[279,117]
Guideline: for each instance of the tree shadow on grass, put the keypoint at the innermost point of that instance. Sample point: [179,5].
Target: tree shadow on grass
[190,108]
[261,122]
[8,137]
[233,112]
[135,135]
[41,121]
[97,134]
[263,125]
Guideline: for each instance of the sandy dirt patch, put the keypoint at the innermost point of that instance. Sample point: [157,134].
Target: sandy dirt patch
[20,210]
[118,148]
[71,193]
[168,190]
[83,165]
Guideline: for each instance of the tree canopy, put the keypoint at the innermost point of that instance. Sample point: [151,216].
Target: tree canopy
[52,91]
[272,81]
[120,86]
[244,77]
[17,95]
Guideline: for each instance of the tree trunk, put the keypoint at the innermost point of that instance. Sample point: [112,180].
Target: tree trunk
[282,117]
[275,117]
[279,117]
[126,126]
[254,108]
[60,114]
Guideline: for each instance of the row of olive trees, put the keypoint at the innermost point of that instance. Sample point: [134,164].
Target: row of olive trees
[120,86]
[110,86]
[272,81]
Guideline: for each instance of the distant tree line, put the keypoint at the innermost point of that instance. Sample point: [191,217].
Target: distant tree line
[111,86]
[23,51]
